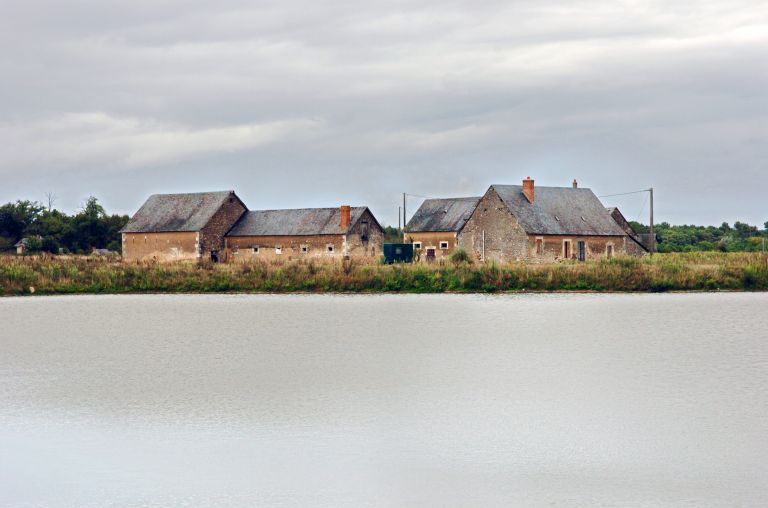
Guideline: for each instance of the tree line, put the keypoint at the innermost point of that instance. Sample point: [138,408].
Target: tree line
[49,230]
[741,237]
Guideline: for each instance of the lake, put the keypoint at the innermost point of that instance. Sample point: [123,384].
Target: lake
[384,401]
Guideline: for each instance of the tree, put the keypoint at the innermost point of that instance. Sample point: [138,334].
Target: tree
[15,218]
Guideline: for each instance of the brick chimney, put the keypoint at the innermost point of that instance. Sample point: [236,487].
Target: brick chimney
[575,184]
[528,189]
[346,216]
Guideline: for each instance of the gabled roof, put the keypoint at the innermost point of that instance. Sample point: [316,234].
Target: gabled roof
[559,211]
[22,243]
[296,222]
[449,214]
[177,212]
[624,224]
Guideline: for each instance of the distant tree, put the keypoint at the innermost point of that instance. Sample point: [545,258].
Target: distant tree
[744,230]
[16,217]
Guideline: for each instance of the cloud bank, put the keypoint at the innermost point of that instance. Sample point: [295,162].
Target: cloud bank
[318,103]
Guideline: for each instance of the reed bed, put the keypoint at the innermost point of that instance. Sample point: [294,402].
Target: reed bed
[702,271]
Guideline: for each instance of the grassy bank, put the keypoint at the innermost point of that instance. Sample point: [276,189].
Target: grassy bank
[663,272]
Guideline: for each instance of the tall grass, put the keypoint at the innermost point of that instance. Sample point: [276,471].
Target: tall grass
[662,272]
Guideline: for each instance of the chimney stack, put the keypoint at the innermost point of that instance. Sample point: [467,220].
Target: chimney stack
[528,189]
[575,184]
[346,216]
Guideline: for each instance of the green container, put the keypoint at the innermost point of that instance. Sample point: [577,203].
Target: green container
[398,253]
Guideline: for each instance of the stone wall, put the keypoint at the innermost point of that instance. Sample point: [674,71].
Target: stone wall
[505,239]
[250,248]
[160,246]
[373,247]
[432,240]
[212,234]
[552,247]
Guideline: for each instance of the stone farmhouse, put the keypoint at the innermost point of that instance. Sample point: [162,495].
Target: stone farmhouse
[435,228]
[174,227]
[529,223]
[309,232]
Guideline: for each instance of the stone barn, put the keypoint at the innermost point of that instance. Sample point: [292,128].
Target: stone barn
[305,233]
[174,227]
[529,223]
[637,247]
[435,227]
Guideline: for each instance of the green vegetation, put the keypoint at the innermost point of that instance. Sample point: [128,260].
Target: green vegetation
[739,238]
[49,230]
[663,272]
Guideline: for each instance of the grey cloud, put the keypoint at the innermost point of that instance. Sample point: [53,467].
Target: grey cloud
[312,103]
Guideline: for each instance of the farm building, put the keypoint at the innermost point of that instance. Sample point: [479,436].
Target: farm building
[525,222]
[309,232]
[638,245]
[522,223]
[435,228]
[170,227]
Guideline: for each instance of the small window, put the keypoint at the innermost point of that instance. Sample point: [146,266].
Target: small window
[539,246]
[609,251]
[582,218]
[304,249]
[256,249]
[557,218]
[567,249]
[417,245]
[278,249]
[443,245]
[329,248]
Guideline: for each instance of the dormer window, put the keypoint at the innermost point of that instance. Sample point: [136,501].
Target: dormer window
[557,218]
[582,218]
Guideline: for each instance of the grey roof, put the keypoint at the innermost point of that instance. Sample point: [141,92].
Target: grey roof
[296,222]
[22,243]
[177,212]
[449,214]
[559,211]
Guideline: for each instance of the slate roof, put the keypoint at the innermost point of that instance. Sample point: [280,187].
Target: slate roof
[295,222]
[448,214]
[559,211]
[177,212]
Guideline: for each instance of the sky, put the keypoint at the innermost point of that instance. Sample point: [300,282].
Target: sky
[304,103]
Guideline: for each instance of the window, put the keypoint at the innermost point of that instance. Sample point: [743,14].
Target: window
[364,230]
[539,246]
[304,249]
[582,250]
[417,245]
[278,249]
[430,253]
[567,249]
[255,249]
[609,251]
[329,248]
[443,245]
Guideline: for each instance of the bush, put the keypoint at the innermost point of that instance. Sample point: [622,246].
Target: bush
[460,256]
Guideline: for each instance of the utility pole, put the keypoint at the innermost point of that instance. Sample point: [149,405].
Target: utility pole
[399,211]
[652,244]
[404,215]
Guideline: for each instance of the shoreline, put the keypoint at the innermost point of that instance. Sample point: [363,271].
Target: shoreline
[692,272]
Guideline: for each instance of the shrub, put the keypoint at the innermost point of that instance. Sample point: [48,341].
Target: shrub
[460,256]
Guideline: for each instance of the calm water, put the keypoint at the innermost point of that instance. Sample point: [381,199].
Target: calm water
[393,401]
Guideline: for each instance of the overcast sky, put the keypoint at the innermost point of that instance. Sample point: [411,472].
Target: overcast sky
[319,103]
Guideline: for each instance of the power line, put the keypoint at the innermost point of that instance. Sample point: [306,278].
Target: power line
[623,193]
